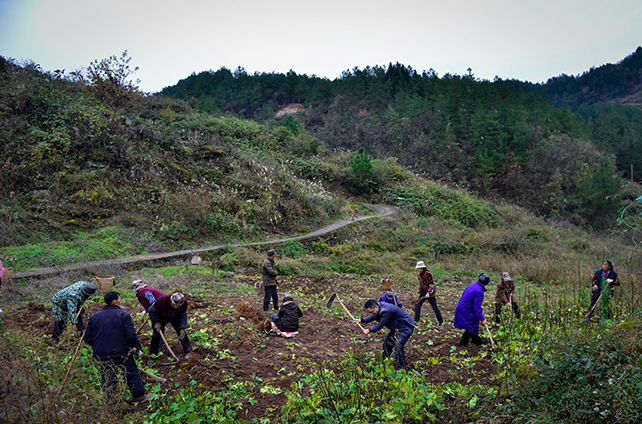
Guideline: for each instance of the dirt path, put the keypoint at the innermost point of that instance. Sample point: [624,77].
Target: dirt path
[98,265]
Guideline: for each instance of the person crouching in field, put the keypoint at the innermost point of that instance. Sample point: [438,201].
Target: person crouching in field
[427,291]
[504,296]
[603,283]
[286,322]
[469,313]
[399,323]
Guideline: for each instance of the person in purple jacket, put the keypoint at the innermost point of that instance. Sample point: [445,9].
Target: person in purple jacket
[469,314]
[394,318]
[146,295]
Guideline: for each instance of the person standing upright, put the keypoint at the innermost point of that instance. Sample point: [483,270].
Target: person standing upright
[504,296]
[469,313]
[269,281]
[603,283]
[427,291]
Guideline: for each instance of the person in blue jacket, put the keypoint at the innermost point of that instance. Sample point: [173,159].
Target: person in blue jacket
[604,280]
[112,335]
[469,313]
[394,318]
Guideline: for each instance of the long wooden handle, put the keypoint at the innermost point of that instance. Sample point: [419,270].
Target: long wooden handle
[71,364]
[349,314]
[594,305]
[143,324]
[492,343]
[167,345]
[152,376]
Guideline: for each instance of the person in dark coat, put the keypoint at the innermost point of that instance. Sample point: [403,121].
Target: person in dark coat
[269,281]
[146,295]
[504,296]
[427,291]
[111,334]
[66,306]
[287,320]
[469,313]
[604,279]
[394,318]
[170,309]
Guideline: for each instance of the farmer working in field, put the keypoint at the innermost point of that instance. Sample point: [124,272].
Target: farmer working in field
[169,309]
[469,314]
[269,281]
[427,291]
[397,320]
[111,334]
[603,284]
[65,306]
[504,296]
[286,322]
[146,295]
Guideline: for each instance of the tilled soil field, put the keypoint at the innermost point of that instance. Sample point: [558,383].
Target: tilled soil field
[230,343]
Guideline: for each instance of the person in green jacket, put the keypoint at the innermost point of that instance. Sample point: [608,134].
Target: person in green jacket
[67,302]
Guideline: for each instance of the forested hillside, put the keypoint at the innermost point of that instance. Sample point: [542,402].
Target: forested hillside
[502,139]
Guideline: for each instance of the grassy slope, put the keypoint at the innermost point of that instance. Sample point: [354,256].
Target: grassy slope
[198,180]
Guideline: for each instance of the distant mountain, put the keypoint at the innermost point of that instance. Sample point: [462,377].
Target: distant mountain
[620,82]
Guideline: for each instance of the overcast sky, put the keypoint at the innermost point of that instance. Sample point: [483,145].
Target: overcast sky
[529,40]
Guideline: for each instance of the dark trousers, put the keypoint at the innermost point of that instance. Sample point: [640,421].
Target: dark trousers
[59,326]
[396,340]
[498,311]
[467,336]
[109,369]
[433,303]
[156,339]
[270,294]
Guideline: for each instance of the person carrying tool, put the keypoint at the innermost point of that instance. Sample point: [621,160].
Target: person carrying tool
[269,281]
[66,306]
[603,284]
[390,297]
[287,320]
[504,296]
[146,295]
[111,334]
[396,320]
[469,313]
[427,291]
[169,309]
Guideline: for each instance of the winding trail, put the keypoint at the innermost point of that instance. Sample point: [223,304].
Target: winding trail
[95,267]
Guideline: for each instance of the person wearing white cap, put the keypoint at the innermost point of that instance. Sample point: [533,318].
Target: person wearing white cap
[146,295]
[170,309]
[505,291]
[269,281]
[427,291]
[67,302]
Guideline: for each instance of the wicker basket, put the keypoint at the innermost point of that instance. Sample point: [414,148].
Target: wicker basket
[105,283]
[6,278]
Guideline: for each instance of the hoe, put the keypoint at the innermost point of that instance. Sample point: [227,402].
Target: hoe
[331,301]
